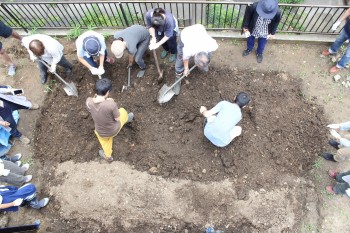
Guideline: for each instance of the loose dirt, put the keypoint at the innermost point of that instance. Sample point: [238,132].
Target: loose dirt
[167,177]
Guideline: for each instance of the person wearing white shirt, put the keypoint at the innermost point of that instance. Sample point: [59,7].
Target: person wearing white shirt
[91,44]
[49,50]
[194,41]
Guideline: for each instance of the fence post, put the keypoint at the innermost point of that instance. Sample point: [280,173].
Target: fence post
[13,17]
[123,13]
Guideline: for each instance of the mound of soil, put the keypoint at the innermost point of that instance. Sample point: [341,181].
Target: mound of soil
[282,131]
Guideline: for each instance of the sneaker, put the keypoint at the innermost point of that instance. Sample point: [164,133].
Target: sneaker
[110,60]
[16,157]
[102,155]
[332,173]
[18,163]
[28,178]
[163,54]
[328,156]
[329,189]
[130,117]
[43,79]
[43,202]
[259,58]
[26,166]
[334,144]
[334,69]
[12,70]
[246,52]
[326,52]
[172,58]
[34,106]
[24,140]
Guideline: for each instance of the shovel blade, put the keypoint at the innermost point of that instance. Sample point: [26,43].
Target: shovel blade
[71,90]
[165,94]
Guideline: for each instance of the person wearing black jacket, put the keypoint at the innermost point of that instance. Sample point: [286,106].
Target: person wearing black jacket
[261,21]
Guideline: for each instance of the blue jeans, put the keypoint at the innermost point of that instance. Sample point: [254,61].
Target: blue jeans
[261,44]
[91,61]
[6,114]
[335,47]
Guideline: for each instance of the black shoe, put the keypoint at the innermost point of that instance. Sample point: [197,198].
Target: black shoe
[334,143]
[246,52]
[328,156]
[43,80]
[259,57]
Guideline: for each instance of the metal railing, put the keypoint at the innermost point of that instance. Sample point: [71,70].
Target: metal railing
[120,14]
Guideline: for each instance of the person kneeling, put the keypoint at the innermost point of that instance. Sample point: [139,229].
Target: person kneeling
[220,124]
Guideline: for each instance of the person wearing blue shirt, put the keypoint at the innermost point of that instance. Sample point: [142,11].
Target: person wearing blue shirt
[221,121]
[163,29]
[342,144]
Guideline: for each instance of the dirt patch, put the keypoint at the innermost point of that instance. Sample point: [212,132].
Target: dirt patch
[282,135]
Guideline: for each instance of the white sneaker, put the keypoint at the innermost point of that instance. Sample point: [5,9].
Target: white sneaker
[28,178]
[26,166]
[18,163]
[43,202]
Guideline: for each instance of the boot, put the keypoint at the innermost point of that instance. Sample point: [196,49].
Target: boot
[334,144]
[177,87]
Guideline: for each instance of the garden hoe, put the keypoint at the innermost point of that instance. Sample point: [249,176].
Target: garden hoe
[128,86]
[160,78]
[69,88]
[166,93]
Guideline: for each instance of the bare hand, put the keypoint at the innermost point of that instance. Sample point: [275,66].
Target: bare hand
[4,123]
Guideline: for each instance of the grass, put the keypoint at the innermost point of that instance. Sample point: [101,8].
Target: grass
[29,160]
[317,163]
[74,32]
[48,87]
[309,228]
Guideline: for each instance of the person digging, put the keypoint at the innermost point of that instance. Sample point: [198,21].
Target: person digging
[108,119]
[135,40]
[194,41]
[220,126]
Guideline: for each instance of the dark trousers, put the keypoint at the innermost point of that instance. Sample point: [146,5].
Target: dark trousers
[63,62]
[170,45]
[341,186]
[261,44]
[91,61]
[6,114]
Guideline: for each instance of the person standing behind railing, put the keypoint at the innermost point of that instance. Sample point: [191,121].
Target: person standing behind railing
[163,28]
[49,50]
[261,21]
[6,32]
[344,36]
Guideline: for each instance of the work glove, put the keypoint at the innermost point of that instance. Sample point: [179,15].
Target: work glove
[153,46]
[202,109]
[336,25]
[32,58]
[101,71]
[6,172]
[335,134]
[129,66]
[18,201]
[94,71]
[333,126]
[52,69]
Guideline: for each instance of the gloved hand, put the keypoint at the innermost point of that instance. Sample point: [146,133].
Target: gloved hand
[6,172]
[129,66]
[335,134]
[101,71]
[269,36]
[94,71]
[18,201]
[32,58]
[53,68]
[333,126]
[336,25]
[202,109]
[153,46]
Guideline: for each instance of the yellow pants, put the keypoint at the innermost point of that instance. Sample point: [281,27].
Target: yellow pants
[107,142]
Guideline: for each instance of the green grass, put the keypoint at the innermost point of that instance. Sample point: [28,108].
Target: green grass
[74,33]
[49,86]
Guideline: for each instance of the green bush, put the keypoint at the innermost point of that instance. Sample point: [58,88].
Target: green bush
[291,1]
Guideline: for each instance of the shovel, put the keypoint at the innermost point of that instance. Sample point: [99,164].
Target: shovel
[166,93]
[128,86]
[160,78]
[69,88]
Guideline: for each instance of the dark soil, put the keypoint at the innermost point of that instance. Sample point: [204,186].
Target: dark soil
[282,133]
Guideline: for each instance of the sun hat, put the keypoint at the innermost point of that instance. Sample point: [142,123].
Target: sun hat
[267,8]
[117,48]
[91,45]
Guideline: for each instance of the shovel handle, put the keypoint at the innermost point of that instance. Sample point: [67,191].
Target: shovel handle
[59,77]
[156,60]
[179,80]
[129,72]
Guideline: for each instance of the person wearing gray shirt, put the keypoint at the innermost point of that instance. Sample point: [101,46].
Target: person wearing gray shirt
[135,40]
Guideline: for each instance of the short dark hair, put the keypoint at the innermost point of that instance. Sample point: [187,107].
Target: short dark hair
[157,17]
[102,86]
[37,47]
[242,99]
